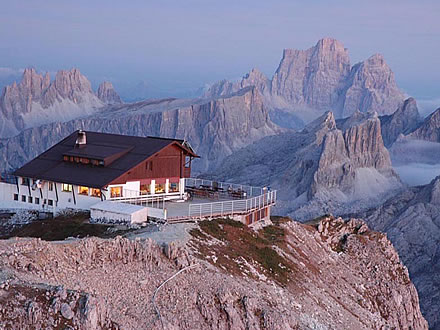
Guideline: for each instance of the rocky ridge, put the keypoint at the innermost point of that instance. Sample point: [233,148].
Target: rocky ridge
[321,78]
[214,127]
[337,274]
[330,166]
[411,220]
[429,130]
[404,120]
[36,100]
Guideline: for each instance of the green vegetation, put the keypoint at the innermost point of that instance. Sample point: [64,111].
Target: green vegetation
[241,242]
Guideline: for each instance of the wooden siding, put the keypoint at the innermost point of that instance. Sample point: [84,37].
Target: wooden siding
[167,163]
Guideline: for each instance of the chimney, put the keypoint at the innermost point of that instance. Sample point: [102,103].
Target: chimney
[81,140]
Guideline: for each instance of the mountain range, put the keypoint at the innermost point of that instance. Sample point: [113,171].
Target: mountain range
[323,132]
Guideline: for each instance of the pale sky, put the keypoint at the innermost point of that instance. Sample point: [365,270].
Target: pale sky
[179,46]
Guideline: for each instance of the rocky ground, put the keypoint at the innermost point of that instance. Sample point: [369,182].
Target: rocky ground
[328,274]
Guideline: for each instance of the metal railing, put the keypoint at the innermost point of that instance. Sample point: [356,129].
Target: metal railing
[250,191]
[232,207]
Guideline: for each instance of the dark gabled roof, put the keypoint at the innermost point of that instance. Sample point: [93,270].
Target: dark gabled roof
[129,151]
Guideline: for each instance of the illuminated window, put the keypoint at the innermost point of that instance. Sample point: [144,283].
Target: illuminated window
[160,188]
[95,162]
[173,187]
[50,186]
[145,189]
[83,190]
[66,187]
[95,192]
[116,192]
[66,158]
[84,160]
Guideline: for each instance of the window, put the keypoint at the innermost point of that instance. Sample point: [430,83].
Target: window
[66,158]
[23,198]
[95,192]
[25,181]
[145,189]
[50,202]
[187,161]
[37,200]
[160,188]
[95,162]
[15,197]
[116,191]
[84,160]
[66,187]
[45,201]
[149,165]
[174,187]
[30,199]
[83,190]
[50,186]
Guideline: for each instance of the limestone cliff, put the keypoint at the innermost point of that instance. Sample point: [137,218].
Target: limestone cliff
[429,130]
[107,93]
[309,82]
[330,166]
[412,223]
[403,121]
[330,274]
[214,127]
[36,100]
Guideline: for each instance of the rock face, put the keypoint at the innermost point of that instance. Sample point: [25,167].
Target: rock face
[214,127]
[310,82]
[36,100]
[313,77]
[107,94]
[330,166]
[429,130]
[335,275]
[45,306]
[412,223]
[371,87]
[403,121]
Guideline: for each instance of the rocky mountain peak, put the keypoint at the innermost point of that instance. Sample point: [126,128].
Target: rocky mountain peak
[322,124]
[36,100]
[403,121]
[107,93]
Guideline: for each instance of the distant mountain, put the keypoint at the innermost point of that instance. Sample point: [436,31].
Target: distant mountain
[403,121]
[330,166]
[429,130]
[214,127]
[36,100]
[310,82]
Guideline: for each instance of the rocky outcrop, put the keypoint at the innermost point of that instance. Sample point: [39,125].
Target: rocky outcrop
[411,221]
[214,127]
[403,121]
[36,100]
[330,166]
[310,82]
[107,94]
[429,130]
[336,274]
[45,306]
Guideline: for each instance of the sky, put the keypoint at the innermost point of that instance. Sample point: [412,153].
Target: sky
[176,47]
